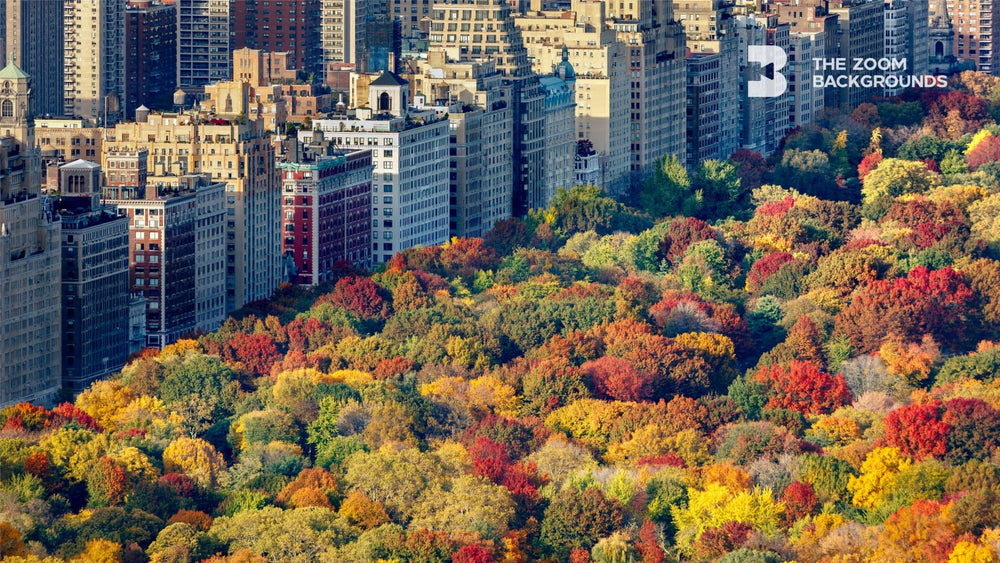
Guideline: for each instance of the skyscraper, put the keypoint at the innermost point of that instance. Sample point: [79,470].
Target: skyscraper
[30,367]
[601,63]
[34,36]
[656,66]
[326,212]
[94,51]
[176,245]
[410,154]
[463,31]
[905,23]
[481,179]
[861,36]
[203,42]
[976,24]
[235,150]
[150,54]
[95,289]
[342,31]
[710,27]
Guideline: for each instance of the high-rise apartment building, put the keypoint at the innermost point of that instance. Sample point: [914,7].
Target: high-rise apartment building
[601,65]
[33,37]
[814,34]
[764,120]
[710,27]
[326,212]
[410,179]
[463,31]
[279,26]
[906,37]
[175,245]
[655,46]
[808,99]
[230,145]
[560,129]
[342,32]
[30,367]
[703,101]
[474,97]
[150,54]
[203,42]
[976,24]
[94,51]
[95,288]
[861,27]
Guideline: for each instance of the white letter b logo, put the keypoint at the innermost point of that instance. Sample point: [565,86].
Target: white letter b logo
[767,87]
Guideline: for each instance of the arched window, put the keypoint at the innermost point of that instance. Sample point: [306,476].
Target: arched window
[939,49]
[383,102]
[7,109]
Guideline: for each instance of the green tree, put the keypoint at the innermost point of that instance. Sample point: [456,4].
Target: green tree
[469,503]
[717,191]
[577,519]
[665,192]
[892,178]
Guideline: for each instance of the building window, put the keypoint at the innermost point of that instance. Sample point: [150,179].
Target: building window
[7,109]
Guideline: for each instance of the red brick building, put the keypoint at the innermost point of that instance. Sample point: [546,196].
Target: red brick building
[326,213]
[280,26]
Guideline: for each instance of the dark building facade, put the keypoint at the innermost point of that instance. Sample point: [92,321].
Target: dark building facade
[383,45]
[150,54]
[33,40]
[95,289]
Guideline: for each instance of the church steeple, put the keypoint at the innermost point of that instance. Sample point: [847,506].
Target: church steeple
[939,32]
[939,15]
[15,115]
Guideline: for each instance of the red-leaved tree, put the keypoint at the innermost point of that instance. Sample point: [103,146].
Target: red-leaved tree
[917,430]
[801,386]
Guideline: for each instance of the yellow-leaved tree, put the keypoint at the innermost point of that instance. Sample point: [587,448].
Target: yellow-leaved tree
[716,505]
[196,458]
[878,474]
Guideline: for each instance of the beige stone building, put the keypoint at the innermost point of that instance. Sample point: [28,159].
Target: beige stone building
[601,63]
[487,29]
[276,82]
[94,40]
[227,140]
[655,45]
[30,255]
[474,97]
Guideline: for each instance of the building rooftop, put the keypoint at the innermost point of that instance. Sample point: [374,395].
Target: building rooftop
[12,70]
[389,79]
[80,164]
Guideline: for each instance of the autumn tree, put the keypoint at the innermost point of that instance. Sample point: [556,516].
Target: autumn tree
[892,178]
[576,519]
[358,295]
[617,379]
[935,302]
[196,458]
[803,387]
[974,429]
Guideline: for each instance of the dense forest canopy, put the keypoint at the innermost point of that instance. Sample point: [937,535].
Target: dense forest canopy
[755,360]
